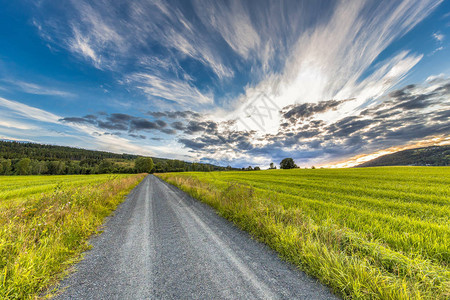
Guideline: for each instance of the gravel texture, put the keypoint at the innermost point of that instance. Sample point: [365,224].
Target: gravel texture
[163,244]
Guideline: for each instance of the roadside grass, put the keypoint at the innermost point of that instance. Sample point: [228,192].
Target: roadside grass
[373,233]
[44,229]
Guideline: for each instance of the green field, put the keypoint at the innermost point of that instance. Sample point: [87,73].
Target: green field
[45,222]
[368,233]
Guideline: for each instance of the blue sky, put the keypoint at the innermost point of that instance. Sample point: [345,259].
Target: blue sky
[228,82]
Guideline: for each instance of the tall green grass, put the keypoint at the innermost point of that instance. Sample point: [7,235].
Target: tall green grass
[373,233]
[45,222]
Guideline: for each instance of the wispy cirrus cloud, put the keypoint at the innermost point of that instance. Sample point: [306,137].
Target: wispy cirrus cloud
[281,49]
[35,89]
[28,112]
[171,89]
[438,37]
[232,21]
[330,60]
[93,33]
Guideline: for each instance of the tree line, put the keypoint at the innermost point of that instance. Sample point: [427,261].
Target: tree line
[18,158]
[286,163]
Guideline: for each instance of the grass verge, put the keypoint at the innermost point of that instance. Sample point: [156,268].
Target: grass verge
[44,234]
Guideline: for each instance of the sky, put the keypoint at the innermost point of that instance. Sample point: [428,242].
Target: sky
[328,83]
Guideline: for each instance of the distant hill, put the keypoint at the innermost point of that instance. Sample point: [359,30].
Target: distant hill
[427,156]
[81,161]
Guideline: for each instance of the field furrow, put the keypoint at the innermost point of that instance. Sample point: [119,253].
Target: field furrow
[369,233]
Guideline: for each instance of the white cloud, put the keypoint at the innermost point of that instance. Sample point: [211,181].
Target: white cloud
[437,50]
[232,22]
[92,34]
[178,91]
[80,44]
[36,89]
[438,37]
[173,30]
[15,124]
[434,78]
[29,112]
[331,61]
[102,34]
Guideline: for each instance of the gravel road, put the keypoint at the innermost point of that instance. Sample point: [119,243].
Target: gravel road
[163,244]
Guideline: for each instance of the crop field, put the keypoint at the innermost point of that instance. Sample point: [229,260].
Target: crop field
[367,233]
[45,222]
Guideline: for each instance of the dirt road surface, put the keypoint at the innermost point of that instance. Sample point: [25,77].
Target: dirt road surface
[163,244]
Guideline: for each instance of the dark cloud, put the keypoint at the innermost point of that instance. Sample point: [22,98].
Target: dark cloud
[161,123]
[143,137]
[192,144]
[168,131]
[348,126]
[406,98]
[193,127]
[405,115]
[208,127]
[112,125]
[442,116]
[443,89]
[107,133]
[297,112]
[157,114]
[121,122]
[119,118]
[142,124]
[187,114]
[77,120]
[178,125]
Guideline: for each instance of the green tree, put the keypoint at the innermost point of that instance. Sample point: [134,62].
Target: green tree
[257,169]
[23,166]
[38,167]
[56,167]
[52,167]
[143,164]
[6,166]
[288,163]
[272,166]
[105,166]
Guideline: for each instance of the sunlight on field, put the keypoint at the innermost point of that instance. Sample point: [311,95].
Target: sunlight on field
[379,233]
[45,222]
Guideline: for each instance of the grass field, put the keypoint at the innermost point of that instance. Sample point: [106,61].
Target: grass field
[368,233]
[45,222]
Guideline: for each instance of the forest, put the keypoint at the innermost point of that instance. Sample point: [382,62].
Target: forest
[21,158]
